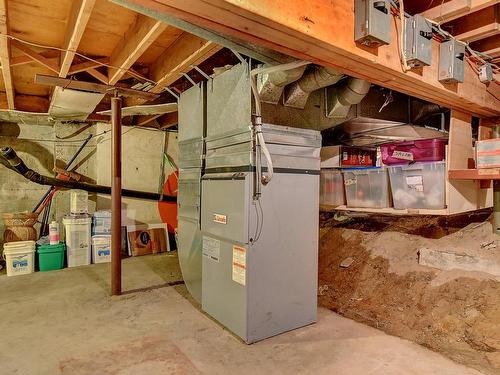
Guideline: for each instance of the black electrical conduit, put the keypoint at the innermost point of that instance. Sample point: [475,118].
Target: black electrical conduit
[11,161]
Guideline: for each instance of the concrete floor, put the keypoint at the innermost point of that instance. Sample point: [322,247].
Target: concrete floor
[64,322]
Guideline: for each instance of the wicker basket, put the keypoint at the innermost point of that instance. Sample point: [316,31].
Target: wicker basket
[20,226]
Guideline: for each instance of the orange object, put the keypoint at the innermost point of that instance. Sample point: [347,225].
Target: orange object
[168,210]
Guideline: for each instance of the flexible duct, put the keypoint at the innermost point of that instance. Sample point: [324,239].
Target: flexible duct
[339,100]
[297,93]
[427,111]
[271,85]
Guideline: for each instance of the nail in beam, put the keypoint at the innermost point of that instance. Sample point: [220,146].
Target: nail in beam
[116,196]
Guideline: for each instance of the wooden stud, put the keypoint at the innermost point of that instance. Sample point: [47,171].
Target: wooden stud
[5,54]
[137,39]
[321,31]
[79,16]
[35,56]
[177,59]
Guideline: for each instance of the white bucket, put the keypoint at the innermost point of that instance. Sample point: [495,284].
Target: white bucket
[19,257]
[79,202]
[101,249]
[78,240]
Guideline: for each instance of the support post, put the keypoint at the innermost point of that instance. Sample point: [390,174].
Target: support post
[116,196]
[496,193]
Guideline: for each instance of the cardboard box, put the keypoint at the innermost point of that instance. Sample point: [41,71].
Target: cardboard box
[488,153]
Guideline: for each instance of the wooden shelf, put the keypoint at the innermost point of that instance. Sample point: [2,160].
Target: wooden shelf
[386,211]
[474,174]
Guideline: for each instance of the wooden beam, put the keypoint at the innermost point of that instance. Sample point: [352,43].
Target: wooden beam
[451,10]
[321,31]
[35,56]
[136,40]
[145,120]
[77,21]
[490,46]
[97,74]
[168,120]
[476,26]
[41,79]
[24,59]
[186,51]
[86,65]
[5,54]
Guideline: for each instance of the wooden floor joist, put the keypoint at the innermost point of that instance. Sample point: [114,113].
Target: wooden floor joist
[5,55]
[322,31]
[139,37]
[451,10]
[186,51]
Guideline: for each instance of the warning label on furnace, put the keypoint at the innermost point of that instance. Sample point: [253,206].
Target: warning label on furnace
[211,248]
[239,264]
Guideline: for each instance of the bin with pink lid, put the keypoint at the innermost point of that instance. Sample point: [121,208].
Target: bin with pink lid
[414,151]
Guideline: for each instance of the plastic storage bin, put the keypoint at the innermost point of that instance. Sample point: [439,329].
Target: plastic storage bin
[78,240]
[367,187]
[101,249]
[420,185]
[101,223]
[413,151]
[331,187]
[50,257]
[19,257]
[79,202]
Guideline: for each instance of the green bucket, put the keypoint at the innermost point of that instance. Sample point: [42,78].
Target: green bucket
[50,257]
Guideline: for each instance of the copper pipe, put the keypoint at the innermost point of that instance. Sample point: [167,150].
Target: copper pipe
[116,196]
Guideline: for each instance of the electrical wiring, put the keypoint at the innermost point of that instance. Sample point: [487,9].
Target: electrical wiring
[474,58]
[131,72]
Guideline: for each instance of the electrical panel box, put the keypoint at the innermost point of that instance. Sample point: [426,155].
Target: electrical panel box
[418,41]
[486,73]
[372,25]
[451,61]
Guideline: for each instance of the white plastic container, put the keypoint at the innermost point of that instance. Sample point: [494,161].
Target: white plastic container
[101,222]
[419,185]
[54,237]
[79,202]
[101,249]
[367,187]
[78,240]
[19,257]
[331,187]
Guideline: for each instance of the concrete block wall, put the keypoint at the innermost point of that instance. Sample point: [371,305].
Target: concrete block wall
[43,146]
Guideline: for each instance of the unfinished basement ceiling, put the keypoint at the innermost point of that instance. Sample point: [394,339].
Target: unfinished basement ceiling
[115,46]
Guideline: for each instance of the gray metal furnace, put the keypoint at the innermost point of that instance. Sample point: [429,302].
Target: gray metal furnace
[192,119]
[259,242]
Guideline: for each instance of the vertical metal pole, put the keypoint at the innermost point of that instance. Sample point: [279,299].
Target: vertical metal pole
[116,196]
[496,193]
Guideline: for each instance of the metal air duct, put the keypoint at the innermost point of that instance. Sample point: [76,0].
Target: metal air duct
[271,85]
[297,93]
[339,100]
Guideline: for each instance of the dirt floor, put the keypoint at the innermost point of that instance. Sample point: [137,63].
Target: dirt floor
[456,313]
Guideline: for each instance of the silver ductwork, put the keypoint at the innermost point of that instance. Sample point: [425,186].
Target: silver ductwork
[340,99]
[271,85]
[297,93]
